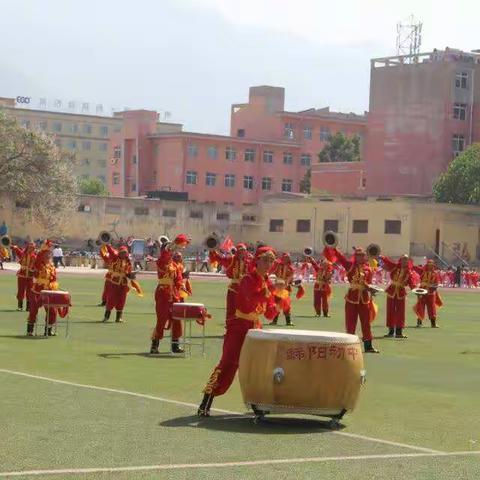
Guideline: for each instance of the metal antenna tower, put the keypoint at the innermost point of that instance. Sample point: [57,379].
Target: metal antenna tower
[409,38]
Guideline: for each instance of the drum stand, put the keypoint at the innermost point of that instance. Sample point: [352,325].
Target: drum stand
[54,326]
[186,341]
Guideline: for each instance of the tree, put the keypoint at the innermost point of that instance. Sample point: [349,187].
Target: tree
[36,173]
[461,182]
[92,186]
[305,183]
[341,148]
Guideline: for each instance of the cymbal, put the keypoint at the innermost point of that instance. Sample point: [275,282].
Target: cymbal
[419,291]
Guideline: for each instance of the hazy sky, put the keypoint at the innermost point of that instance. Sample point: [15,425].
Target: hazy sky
[196,57]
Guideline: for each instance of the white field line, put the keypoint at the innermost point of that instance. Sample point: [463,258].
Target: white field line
[252,463]
[192,405]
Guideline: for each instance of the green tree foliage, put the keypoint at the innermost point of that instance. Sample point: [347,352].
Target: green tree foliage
[92,186]
[461,182]
[36,173]
[305,183]
[341,148]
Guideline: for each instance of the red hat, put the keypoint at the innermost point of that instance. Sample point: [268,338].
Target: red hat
[181,240]
[241,246]
[264,251]
[123,248]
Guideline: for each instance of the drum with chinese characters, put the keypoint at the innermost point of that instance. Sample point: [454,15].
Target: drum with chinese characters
[301,371]
[55,298]
[189,311]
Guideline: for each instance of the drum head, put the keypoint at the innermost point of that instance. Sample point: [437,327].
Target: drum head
[304,336]
[185,304]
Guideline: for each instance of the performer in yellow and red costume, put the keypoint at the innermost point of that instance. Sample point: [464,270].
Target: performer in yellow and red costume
[322,288]
[117,281]
[170,283]
[26,257]
[429,280]
[358,300]
[254,299]
[236,266]
[104,255]
[45,278]
[401,277]
[283,269]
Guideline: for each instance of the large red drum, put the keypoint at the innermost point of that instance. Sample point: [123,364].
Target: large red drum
[189,311]
[55,298]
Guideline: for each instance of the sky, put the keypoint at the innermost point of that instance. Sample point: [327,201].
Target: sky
[194,58]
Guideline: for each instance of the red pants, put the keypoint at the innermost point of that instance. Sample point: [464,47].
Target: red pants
[224,373]
[395,312]
[24,287]
[104,293]
[116,296]
[231,303]
[35,304]
[163,309]
[352,312]
[428,302]
[320,302]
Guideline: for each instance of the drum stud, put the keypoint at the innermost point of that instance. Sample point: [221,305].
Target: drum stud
[278,375]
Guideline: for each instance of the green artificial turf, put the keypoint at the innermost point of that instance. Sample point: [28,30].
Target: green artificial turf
[422,391]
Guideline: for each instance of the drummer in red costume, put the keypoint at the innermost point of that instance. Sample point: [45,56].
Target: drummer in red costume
[358,300]
[236,266]
[26,257]
[429,279]
[170,282]
[254,298]
[322,289]
[119,272]
[104,255]
[283,269]
[401,277]
[45,278]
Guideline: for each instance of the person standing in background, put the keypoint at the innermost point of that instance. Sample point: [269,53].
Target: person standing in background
[57,255]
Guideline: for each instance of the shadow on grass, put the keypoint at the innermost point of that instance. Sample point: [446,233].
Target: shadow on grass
[12,310]
[245,424]
[110,356]
[24,337]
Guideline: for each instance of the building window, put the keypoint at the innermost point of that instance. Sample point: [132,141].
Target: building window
[134,187]
[212,153]
[103,147]
[266,183]
[459,111]
[228,204]
[134,159]
[241,132]
[104,131]
[87,128]
[461,80]
[249,155]
[116,178]
[289,130]
[229,180]
[192,150]
[223,216]
[102,163]
[141,210]
[86,145]
[303,226]
[57,126]
[210,179]
[287,158]
[102,178]
[248,182]
[287,185]
[248,218]
[72,128]
[458,144]
[117,151]
[360,226]
[268,156]
[330,226]
[42,126]
[230,153]
[169,212]
[363,183]
[307,133]
[305,159]
[84,208]
[72,144]
[324,134]
[191,177]
[276,225]
[196,214]
[25,123]
[393,227]
[113,208]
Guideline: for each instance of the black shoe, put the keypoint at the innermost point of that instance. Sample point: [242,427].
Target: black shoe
[391,332]
[102,304]
[369,348]
[399,334]
[288,321]
[326,315]
[20,305]
[106,317]
[30,327]
[176,347]
[204,407]
[434,323]
[118,317]
[51,332]
[419,323]
[154,347]
[274,321]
